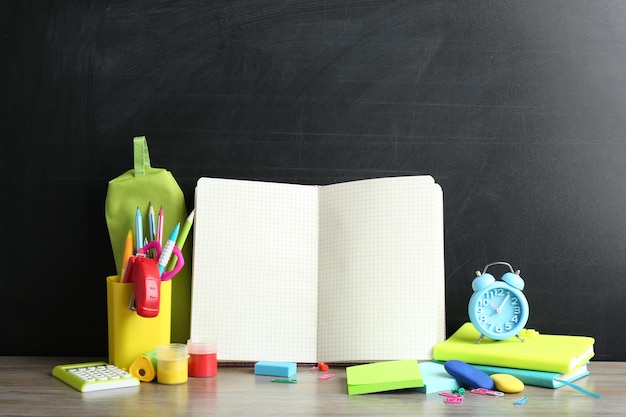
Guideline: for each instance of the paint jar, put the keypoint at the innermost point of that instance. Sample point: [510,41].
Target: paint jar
[172,363]
[202,357]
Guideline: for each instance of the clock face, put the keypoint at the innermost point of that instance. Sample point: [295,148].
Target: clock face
[498,311]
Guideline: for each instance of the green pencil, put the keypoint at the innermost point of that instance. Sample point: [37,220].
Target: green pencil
[182,237]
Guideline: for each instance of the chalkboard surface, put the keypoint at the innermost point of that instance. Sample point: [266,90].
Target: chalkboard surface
[518,109]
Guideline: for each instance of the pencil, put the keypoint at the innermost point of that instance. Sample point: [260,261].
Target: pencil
[128,252]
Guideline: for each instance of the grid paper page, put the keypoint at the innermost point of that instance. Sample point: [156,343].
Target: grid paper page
[254,282]
[381,285]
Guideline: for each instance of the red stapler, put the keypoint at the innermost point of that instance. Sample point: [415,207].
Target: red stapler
[144,274]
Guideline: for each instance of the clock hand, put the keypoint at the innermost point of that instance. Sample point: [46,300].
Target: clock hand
[496,309]
[499,309]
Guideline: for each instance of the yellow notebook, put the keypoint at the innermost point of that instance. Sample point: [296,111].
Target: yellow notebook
[383,376]
[539,352]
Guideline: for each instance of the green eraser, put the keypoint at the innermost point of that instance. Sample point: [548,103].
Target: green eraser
[274,368]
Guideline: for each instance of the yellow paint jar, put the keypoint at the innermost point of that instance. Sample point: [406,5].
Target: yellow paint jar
[172,363]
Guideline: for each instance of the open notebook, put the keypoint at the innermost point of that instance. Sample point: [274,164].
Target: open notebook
[348,272]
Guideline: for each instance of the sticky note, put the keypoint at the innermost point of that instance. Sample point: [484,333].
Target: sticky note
[436,378]
[383,376]
[274,368]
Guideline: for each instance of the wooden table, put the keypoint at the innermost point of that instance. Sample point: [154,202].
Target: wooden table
[27,388]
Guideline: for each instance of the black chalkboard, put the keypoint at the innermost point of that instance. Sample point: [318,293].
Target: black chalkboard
[516,108]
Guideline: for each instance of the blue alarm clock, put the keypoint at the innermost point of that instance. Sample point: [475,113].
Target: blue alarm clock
[498,309]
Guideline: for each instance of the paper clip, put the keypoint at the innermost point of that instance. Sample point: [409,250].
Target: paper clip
[483,391]
[453,400]
[449,394]
[521,401]
[285,381]
[326,376]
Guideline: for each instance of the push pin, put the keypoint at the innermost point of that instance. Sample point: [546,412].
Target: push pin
[322,366]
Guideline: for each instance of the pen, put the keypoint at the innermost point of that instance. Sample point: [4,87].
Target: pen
[182,236]
[138,230]
[287,381]
[167,250]
[128,252]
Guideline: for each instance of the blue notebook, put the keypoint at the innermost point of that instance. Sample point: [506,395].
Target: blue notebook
[537,378]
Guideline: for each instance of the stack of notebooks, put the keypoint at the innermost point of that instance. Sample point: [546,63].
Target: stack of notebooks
[542,360]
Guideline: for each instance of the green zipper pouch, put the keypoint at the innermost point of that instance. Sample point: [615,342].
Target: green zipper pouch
[137,188]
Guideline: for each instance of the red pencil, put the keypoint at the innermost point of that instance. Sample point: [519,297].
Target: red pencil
[160,225]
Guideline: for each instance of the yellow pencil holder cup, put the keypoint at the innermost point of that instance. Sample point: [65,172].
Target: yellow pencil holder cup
[131,335]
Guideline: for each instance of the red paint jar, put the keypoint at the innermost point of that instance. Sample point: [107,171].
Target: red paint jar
[202,358]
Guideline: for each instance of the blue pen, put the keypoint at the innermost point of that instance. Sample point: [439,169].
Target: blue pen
[167,250]
[138,230]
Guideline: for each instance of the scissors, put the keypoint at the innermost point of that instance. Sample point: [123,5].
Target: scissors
[163,255]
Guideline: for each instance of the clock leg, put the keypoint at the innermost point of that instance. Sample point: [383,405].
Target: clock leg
[480,338]
[520,337]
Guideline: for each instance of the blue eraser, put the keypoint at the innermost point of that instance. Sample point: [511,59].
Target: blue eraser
[468,376]
[273,368]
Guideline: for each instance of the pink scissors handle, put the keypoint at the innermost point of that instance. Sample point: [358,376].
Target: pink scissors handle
[153,245]
[180,262]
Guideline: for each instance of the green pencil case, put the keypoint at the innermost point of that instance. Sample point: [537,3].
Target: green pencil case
[137,188]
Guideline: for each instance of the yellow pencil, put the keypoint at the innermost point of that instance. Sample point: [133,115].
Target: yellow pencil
[128,252]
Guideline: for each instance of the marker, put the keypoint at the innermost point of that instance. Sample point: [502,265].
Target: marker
[128,252]
[182,236]
[138,230]
[167,250]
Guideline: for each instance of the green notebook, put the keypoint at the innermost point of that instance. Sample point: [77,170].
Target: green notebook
[539,352]
[383,376]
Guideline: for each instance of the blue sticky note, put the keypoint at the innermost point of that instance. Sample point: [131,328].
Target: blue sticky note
[274,368]
[436,378]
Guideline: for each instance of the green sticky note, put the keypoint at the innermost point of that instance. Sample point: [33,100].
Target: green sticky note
[383,376]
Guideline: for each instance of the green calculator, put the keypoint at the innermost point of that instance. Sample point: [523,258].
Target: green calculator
[94,376]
